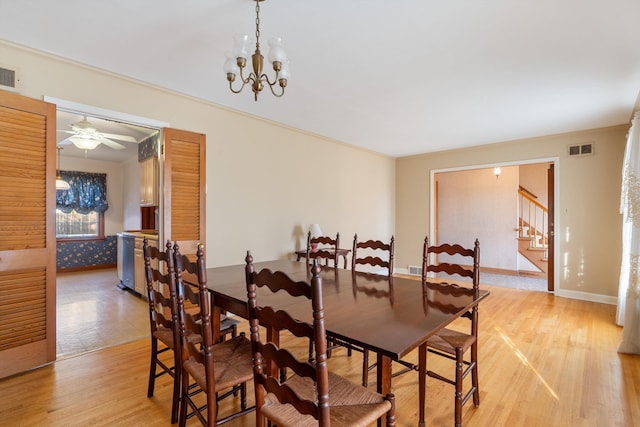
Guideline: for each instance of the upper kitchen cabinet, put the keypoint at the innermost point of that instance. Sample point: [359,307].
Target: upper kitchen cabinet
[149,182]
[149,171]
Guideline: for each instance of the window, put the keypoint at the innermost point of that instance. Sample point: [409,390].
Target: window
[74,225]
[80,209]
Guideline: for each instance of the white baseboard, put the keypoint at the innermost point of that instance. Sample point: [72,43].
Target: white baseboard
[586,296]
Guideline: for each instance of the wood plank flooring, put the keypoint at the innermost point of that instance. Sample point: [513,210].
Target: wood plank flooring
[93,313]
[544,361]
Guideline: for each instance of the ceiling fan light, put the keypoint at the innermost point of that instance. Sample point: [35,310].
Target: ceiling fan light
[83,143]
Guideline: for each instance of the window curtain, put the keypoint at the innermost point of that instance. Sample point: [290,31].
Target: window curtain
[628,314]
[87,192]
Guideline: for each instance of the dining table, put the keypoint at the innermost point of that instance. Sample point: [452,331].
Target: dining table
[389,316]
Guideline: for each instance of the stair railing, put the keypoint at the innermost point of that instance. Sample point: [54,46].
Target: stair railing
[533,219]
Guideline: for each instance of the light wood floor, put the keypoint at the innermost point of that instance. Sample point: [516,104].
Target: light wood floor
[544,361]
[93,313]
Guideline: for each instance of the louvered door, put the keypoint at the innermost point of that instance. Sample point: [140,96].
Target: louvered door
[184,188]
[27,233]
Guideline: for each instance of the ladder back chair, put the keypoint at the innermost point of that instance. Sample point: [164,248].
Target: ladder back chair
[383,258]
[328,252]
[165,334]
[450,343]
[219,369]
[311,395]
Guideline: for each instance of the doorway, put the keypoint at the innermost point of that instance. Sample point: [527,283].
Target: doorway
[83,323]
[484,201]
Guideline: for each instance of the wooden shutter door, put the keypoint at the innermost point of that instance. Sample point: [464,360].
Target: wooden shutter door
[184,189]
[27,233]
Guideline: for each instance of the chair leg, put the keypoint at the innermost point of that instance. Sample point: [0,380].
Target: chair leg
[422,379]
[152,368]
[212,409]
[459,372]
[474,374]
[175,404]
[182,419]
[243,396]
[365,367]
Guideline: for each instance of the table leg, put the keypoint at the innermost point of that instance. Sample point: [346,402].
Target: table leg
[422,378]
[215,323]
[383,376]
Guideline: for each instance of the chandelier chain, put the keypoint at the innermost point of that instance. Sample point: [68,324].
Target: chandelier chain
[258,24]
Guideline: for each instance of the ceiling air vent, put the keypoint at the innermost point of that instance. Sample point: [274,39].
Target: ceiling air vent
[8,79]
[581,149]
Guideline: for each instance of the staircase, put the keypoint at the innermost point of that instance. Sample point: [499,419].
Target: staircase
[533,220]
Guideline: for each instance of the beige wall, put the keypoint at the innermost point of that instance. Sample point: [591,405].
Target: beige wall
[265,183]
[489,214]
[588,227]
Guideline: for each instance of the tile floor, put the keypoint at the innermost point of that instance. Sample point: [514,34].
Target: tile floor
[93,313]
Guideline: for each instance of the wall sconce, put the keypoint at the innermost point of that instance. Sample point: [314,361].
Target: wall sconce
[497,171]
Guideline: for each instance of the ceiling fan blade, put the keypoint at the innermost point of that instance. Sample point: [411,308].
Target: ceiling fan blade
[112,144]
[65,141]
[125,138]
[67,131]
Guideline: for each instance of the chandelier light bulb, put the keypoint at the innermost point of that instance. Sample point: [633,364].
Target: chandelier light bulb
[241,46]
[276,51]
[231,67]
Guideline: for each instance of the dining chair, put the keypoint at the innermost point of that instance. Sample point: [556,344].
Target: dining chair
[378,255]
[310,395]
[163,312]
[450,343]
[219,369]
[165,335]
[327,252]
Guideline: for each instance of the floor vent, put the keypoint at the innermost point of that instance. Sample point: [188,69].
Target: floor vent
[581,149]
[415,270]
[7,79]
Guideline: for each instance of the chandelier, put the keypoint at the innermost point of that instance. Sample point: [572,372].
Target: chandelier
[237,60]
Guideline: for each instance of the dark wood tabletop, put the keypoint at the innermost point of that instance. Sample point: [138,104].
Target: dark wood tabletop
[391,318]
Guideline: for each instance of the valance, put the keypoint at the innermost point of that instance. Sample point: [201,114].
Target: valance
[87,192]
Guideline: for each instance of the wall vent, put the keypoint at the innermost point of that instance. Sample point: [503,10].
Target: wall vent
[581,149]
[415,270]
[8,79]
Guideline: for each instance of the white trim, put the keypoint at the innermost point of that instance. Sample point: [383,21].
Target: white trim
[556,191]
[102,113]
[587,296]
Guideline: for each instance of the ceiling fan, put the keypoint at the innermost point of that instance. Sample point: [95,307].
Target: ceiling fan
[87,137]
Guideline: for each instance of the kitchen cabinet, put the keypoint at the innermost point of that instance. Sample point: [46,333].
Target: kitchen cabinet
[140,282]
[149,182]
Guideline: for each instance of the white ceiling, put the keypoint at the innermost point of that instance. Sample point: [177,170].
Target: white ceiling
[396,77]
